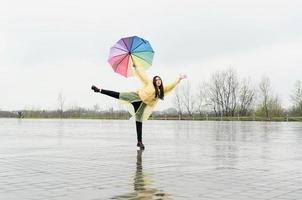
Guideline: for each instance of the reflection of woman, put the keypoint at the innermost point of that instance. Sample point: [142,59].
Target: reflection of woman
[144,100]
[141,190]
[139,184]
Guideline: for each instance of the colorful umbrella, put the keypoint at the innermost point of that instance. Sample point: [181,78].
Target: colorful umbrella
[130,50]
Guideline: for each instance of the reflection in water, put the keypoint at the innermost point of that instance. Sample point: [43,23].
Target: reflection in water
[60,131]
[226,151]
[141,185]
[232,142]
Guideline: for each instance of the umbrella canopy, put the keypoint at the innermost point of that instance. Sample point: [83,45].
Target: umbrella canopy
[128,51]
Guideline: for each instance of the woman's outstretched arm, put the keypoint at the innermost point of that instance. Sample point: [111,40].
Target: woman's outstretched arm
[171,86]
[141,74]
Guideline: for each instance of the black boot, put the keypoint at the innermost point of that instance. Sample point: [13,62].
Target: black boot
[95,89]
[140,145]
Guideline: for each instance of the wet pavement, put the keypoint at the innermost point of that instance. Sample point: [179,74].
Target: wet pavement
[98,159]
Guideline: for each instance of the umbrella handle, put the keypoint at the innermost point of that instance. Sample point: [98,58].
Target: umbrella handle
[133,64]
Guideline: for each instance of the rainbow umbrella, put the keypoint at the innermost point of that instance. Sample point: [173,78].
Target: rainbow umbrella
[128,51]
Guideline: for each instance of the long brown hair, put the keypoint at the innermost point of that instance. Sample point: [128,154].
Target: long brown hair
[159,94]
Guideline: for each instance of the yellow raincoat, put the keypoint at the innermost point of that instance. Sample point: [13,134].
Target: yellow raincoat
[147,92]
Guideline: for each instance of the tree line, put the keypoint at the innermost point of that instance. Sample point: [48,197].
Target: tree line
[224,96]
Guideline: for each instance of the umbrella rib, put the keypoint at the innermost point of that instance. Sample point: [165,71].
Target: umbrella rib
[138,45]
[141,58]
[143,51]
[120,62]
[131,45]
[126,46]
[119,55]
[121,49]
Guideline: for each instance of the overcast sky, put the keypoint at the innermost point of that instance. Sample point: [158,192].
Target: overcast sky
[48,47]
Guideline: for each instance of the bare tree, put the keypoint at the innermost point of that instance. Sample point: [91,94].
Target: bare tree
[264,94]
[230,91]
[61,102]
[187,99]
[201,99]
[270,104]
[296,98]
[246,97]
[214,93]
[223,92]
[177,101]
[275,107]
[96,108]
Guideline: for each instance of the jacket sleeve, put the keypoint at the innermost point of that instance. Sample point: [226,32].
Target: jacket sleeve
[170,86]
[141,74]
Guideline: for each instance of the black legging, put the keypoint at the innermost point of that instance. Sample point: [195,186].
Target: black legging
[111,93]
[136,105]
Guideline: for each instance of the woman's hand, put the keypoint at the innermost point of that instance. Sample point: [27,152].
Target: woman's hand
[182,76]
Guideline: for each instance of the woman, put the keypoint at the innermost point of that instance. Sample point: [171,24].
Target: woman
[144,100]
